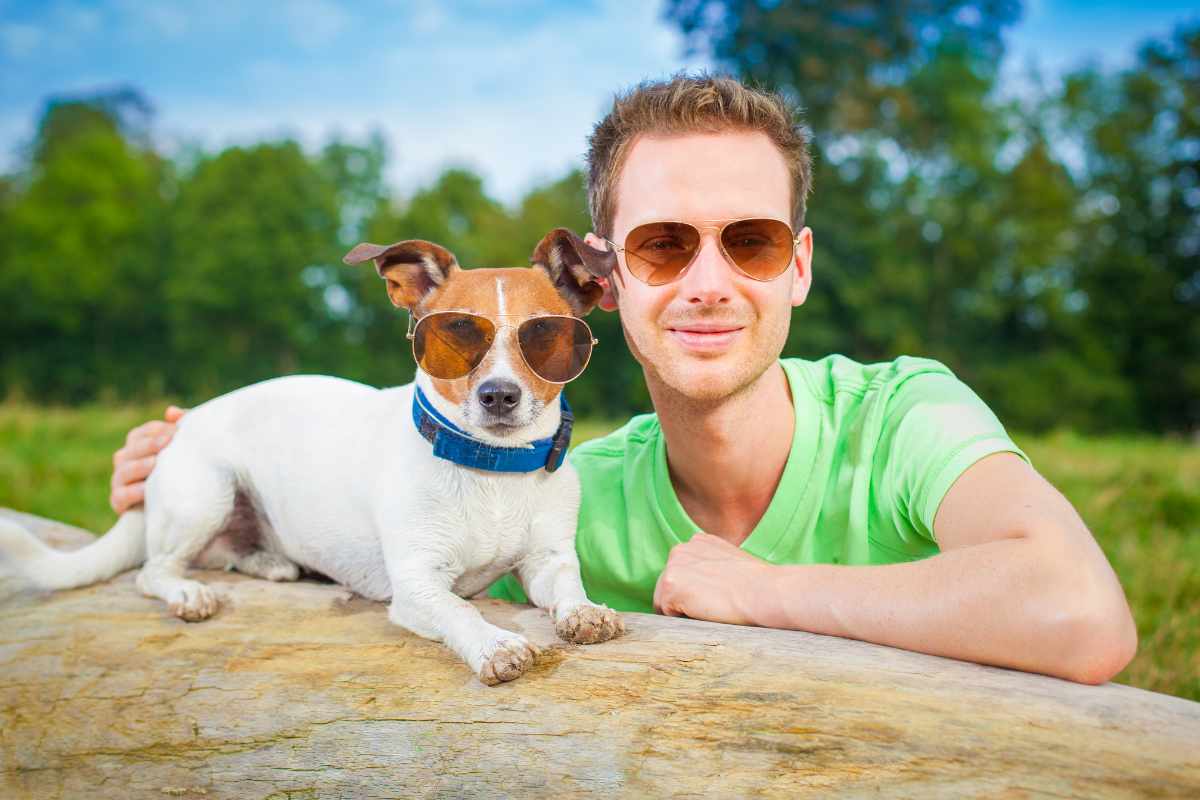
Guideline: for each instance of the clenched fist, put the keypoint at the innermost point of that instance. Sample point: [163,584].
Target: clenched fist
[708,578]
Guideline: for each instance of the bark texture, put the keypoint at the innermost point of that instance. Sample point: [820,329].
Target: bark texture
[303,690]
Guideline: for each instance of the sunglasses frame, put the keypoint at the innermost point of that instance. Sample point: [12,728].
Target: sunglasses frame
[715,225]
[413,323]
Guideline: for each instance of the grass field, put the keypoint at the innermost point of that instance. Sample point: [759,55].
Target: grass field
[1140,496]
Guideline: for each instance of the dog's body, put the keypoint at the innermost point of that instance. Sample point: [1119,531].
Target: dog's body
[333,476]
[325,467]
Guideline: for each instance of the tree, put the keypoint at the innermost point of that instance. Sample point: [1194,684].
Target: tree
[1139,131]
[247,225]
[84,227]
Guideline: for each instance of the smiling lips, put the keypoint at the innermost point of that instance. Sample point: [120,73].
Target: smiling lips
[705,336]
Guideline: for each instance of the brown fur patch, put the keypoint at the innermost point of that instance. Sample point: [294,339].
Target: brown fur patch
[573,266]
[413,268]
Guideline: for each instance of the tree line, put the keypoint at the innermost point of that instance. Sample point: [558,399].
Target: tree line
[1045,247]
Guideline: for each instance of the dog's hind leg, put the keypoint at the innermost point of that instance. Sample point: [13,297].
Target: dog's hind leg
[185,508]
[268,565]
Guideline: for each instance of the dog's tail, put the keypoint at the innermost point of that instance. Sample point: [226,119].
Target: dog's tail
[122,548]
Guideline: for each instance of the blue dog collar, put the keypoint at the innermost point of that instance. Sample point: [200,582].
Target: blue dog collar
[454,444]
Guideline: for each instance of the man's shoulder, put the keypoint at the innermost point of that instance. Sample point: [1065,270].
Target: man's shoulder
[613,448]
[837,374]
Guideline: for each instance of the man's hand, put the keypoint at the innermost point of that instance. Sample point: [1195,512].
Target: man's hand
[133,462]
[708,578]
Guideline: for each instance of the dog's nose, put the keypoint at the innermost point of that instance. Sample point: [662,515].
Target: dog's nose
[499,396]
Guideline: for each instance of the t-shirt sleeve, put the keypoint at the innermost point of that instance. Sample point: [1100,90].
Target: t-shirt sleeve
[934,428]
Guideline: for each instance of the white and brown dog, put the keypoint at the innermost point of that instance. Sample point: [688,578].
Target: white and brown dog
[335,477]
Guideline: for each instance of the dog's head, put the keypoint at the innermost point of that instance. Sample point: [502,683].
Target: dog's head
[502,398]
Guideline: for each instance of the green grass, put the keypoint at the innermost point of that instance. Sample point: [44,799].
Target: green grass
[1139,496]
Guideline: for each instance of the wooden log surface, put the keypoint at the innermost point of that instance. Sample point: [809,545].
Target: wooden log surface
[304,690]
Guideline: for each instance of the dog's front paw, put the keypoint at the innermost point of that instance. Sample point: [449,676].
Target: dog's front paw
[509,659]
[590,624]
[192,601]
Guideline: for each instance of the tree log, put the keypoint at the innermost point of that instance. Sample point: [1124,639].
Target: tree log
[305,690]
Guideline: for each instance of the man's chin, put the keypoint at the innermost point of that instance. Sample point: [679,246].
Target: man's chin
[707,379]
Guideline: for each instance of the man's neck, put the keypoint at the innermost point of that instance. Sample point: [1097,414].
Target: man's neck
[726,458]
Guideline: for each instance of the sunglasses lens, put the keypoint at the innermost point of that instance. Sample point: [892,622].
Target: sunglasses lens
[658,251]
[449,345]
[762,248]
[555,348]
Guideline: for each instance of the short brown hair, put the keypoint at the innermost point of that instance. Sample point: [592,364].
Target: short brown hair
[692,104]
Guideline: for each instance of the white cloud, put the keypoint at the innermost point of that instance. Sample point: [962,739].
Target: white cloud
[19,40]
[169,22]
[76,20]
[515,101]
[313,24]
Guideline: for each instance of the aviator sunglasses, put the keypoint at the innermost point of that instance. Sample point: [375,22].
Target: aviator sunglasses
[659,252]
[450,344]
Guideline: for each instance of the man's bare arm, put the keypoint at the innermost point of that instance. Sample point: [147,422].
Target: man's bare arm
[1020,583]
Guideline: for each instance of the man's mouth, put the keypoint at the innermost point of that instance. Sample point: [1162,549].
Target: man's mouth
[705,336]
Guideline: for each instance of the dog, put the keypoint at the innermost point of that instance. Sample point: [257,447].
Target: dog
[399,494]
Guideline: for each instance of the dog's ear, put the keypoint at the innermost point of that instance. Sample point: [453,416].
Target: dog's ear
[412,268]
[573,266]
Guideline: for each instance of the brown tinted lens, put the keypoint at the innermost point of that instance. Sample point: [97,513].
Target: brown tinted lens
[658,251]
[762,248]
[449,345]
[555,348]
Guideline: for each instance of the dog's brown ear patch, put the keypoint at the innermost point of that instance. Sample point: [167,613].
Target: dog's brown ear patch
[412,268]
[573,266]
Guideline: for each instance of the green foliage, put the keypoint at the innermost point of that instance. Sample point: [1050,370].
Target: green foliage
[246,225]
[82,271]
[1139,496]
[1047,250]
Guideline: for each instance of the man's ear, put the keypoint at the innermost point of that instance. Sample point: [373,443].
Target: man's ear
[573,266]
[412,268]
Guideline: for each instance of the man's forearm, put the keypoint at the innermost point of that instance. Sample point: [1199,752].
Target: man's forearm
[1008,603]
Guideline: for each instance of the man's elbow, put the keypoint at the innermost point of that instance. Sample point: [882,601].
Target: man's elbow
[1102,640]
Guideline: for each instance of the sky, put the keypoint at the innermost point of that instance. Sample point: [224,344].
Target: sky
[509,88]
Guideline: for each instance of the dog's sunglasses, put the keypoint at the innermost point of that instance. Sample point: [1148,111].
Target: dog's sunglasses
[659,252]
[450,344]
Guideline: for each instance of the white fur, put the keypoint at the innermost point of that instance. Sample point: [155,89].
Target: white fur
[343,484]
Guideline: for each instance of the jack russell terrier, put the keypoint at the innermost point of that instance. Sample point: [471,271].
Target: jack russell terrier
[423,494]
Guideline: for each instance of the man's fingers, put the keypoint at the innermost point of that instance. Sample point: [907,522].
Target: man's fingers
[126,497]
[141,448]
[133,471]
[150,430]
[174,413]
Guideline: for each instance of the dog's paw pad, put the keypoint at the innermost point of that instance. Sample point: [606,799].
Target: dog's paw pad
[590,625]
[511,658]
[194,602]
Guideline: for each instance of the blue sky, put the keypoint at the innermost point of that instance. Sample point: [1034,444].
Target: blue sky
[508,87]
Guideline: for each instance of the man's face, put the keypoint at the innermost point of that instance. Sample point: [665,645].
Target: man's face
[711,332]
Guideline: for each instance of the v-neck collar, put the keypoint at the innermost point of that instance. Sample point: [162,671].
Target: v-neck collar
[789,494]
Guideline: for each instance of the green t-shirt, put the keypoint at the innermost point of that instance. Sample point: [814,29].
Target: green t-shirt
[876,447]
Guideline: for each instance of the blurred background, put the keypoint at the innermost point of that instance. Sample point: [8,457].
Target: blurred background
[1012,188]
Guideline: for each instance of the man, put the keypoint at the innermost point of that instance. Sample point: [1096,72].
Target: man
[881,502]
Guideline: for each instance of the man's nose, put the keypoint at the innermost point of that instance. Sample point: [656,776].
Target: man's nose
[709,279]
[499,396]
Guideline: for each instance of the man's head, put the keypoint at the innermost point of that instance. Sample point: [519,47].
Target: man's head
[701,150]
